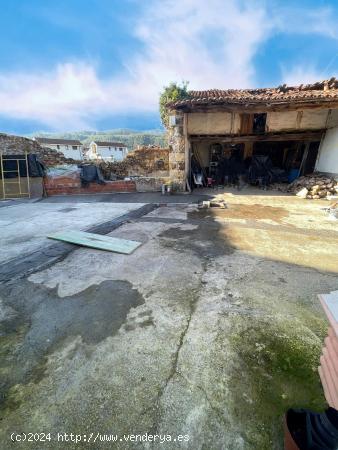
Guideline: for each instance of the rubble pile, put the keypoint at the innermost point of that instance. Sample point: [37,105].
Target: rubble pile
[113,170]
[314,187]
[52,158]
[144,161]
[18,145]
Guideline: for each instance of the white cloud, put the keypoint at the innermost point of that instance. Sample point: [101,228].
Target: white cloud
[69,93]
[209,43]
[300,20]
[301,74]
[212,44]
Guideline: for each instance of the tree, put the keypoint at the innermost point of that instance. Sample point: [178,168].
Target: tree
[171,93]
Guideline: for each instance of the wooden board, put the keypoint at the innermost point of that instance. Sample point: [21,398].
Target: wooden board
[281,121]
[213,123]
[98,241]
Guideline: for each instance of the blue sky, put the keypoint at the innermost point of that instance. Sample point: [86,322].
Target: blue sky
[71,64]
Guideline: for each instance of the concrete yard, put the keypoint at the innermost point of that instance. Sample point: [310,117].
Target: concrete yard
[24,226]
[211,329]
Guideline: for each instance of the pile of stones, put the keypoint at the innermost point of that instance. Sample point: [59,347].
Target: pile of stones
[314,187]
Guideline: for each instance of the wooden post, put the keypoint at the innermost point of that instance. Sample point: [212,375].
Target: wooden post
[248,149]
[2,176]
[302,164]
[27,175]
[187,153]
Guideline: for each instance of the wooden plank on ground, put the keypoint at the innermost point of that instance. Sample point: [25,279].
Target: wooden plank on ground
[96,241]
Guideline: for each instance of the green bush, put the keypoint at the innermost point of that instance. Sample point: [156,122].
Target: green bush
[171,93]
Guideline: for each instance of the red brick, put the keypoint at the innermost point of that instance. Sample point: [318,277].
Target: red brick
[75,188]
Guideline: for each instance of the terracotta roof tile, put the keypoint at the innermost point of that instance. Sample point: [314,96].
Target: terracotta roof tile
[319,91]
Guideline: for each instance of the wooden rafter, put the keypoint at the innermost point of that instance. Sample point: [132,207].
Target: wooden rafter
[258,107]
[299,136]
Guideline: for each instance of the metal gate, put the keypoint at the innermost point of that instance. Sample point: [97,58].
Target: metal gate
[14,170]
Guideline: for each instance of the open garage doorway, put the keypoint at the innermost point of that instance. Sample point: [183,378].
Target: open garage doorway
[259,163]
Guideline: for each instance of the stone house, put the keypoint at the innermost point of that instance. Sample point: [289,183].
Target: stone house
[296,126]
[70,148]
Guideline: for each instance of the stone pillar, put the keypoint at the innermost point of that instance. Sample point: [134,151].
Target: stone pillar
[177,154]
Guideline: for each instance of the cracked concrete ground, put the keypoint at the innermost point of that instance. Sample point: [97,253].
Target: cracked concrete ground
[211,329]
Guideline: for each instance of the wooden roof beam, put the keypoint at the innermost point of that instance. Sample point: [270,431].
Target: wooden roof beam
[261,108]
[300,136]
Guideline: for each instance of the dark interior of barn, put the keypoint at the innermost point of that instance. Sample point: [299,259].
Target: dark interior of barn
[260,163]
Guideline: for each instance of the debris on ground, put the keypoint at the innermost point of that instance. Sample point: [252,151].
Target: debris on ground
[332,211]
[218,204]
[314,187]
[302,193]
[212,204]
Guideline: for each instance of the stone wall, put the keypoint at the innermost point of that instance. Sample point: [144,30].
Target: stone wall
[177,155]
[18,145]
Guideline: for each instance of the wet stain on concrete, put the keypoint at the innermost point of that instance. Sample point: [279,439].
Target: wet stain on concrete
[39,322]
[66,210]
[205,240]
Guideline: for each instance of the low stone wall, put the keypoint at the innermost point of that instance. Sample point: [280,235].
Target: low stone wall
[150,184]
[68,185]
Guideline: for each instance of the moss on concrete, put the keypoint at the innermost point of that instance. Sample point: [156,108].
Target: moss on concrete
[8,345]
[278,356]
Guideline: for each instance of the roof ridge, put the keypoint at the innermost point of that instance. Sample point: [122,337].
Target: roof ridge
[328,84]
[318,91]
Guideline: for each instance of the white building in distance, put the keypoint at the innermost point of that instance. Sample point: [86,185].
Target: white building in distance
[107,151]
[71,148]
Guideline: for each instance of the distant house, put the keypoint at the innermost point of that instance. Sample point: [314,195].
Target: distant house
[108,151]
[71,148]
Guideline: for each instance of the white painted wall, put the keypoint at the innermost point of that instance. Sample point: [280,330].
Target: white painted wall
[67,150]
[106,153]
[328,152]
[112,153]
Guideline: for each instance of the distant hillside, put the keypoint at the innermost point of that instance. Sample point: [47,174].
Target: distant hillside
[129,137]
